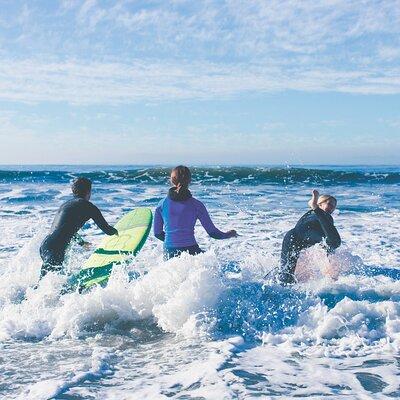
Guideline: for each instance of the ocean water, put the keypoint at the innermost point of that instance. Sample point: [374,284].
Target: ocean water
[210,326]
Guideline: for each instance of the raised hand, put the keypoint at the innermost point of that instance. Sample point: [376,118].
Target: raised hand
[313,203]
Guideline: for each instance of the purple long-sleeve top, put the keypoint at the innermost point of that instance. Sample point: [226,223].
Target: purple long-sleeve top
[174,222]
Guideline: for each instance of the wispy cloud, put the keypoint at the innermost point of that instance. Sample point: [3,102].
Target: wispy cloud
[94,83]
[388,53]
[237,28]
[124,51]
[392,123]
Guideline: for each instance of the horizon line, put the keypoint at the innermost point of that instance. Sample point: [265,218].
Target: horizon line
[200,165]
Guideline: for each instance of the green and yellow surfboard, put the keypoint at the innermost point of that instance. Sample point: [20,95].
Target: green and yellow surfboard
[133,230]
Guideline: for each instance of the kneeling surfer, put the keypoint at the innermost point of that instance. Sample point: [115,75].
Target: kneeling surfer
[176,216]
[70,217]
[315,226]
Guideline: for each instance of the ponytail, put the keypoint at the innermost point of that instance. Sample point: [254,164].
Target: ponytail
[181,177]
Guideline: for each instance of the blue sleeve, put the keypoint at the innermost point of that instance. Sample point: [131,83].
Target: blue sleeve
[204,218]
[159,224]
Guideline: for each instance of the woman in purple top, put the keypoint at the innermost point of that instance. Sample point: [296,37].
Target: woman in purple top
[176,216]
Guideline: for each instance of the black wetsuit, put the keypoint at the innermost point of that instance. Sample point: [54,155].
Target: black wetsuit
[312,228]
[70,217]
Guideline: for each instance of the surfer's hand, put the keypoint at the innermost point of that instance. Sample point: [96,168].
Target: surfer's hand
[232,233]
[313,203]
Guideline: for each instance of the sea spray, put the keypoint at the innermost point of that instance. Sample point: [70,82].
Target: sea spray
[335,333]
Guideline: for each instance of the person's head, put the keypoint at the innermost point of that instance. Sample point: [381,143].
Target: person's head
[82,187]
[181,177]
[327,203]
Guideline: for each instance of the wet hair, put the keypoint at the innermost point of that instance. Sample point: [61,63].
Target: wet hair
[81,186]
[181,176]
[325,197]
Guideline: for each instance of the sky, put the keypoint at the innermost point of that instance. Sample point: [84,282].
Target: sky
[200,82]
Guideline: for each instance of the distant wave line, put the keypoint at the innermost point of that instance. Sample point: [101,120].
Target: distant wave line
[211,175]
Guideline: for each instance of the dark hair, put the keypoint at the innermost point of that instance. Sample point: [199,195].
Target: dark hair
[181,176]
[81,186]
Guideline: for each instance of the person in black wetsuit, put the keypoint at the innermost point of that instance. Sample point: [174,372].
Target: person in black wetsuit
[315,226]
[70,217]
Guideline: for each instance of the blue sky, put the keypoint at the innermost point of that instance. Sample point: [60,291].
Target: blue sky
[229,82]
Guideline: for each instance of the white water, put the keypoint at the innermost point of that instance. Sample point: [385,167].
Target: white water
[193,327]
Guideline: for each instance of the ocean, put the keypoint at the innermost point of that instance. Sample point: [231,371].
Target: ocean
[210,326]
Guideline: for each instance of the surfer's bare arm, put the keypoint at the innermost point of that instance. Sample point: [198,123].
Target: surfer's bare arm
[208,225]
[100,221]
[333,239]
[313,202]
[159,225]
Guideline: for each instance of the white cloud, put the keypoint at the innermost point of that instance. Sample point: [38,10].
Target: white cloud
[392,123]
[210,28]
[388,53]
[125,51]
[254,29]
[114,83]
